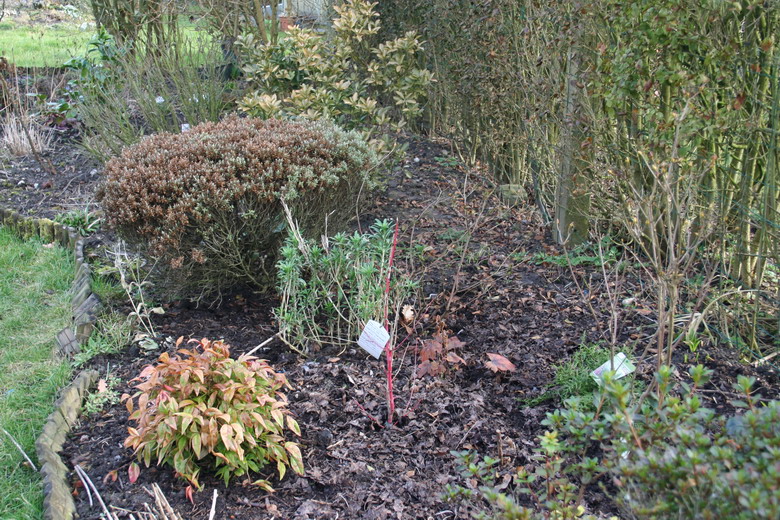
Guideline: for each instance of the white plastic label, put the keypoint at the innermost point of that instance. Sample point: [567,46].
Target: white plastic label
[374,338]
[620,364]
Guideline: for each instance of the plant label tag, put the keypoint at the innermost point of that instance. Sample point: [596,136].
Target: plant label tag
[620,364]
[374,338]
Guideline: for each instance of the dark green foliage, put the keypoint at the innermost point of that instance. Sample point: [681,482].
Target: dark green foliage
[330,292]
[667,457]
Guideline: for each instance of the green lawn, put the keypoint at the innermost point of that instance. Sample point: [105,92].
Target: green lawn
[34,306]
[40,45]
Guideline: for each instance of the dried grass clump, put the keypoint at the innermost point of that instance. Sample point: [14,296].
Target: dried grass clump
[17,143]
[207,203]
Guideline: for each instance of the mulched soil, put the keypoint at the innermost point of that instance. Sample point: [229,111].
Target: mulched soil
[32,190]
[476,285]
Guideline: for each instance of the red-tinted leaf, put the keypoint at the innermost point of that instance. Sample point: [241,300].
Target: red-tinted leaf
[133,471]
[430,350]
[188,493]
[499,363]
[453,358]
[455,343]
[423,369]
[112,476]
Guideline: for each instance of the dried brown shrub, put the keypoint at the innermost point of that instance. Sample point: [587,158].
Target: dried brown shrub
[207,203]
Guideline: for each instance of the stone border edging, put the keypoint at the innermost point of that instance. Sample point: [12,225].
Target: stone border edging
[58,503]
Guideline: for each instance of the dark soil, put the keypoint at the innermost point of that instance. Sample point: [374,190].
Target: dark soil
[476,285]
[27,186]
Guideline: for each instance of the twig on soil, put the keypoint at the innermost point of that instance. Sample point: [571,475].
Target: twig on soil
[213,505]
[368,414]
[467,434]
[83,476]
[21,450]
[456,278]
[765,359]
[163,506]
[261,345]
[86,486]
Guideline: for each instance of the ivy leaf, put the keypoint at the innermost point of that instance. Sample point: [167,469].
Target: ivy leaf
[499,363]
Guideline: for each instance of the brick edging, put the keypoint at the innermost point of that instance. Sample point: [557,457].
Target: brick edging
[58,503]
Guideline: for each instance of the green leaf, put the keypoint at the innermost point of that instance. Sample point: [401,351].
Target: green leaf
[296,459]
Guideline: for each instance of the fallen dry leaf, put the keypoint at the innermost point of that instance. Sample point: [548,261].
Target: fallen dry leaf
[133,471]
[499,363]
[407,313]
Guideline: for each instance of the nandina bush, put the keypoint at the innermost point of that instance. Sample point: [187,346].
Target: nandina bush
[207,203]
[204,409]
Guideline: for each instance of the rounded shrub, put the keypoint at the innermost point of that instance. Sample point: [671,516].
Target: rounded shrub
[201,408]
[207,204]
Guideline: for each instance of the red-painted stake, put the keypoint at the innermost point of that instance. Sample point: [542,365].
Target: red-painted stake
[389,347]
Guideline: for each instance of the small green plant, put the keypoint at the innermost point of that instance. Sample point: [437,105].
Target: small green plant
[455,235]
[94,68]
[106,287]
[83,220]
[572,378]
[329,292]
[113,332]
[551,494]
[582,255]
[104,395]
[447,161]
[693,342]
[202,409]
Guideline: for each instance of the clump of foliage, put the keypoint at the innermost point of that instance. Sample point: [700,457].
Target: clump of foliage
[330,291]
[204,409]
[104,395]
[439,353]
[208,203]
[113,333]
[666,456]
[554,496]
[573,377]
[83,220]
[121,96]
[343,75]
[149,25]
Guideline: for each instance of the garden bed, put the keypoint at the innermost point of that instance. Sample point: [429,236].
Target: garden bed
[31,190]
[512,297]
